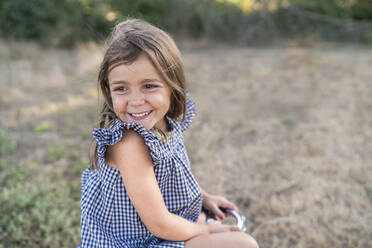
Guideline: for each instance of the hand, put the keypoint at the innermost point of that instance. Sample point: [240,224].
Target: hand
[213,203]
[217,227]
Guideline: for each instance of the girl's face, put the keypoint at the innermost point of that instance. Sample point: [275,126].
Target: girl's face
[139,94]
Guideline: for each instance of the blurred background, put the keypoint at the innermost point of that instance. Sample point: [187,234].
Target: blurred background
[67,22]
[283,126]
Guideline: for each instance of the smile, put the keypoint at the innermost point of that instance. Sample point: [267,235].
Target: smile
[140,116]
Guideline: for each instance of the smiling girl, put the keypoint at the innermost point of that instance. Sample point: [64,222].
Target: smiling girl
[139,190]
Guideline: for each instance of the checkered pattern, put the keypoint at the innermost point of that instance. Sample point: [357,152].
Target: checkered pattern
[108,218]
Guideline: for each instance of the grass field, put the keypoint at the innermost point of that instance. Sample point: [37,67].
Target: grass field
[284,132]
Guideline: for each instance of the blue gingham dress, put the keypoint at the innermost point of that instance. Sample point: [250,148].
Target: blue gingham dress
[108,218]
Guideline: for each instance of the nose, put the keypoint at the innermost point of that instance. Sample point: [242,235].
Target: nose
[136,99]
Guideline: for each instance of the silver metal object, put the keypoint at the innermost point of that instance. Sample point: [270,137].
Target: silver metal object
[240,219]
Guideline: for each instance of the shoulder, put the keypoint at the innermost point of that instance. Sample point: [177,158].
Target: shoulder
[131,145]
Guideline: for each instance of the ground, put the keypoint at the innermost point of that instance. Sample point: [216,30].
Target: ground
[283,131]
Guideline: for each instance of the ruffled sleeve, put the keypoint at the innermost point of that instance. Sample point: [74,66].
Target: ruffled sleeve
[106,137]
[114,134]
[189,116]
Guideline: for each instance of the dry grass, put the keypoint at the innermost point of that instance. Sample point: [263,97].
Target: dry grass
[285,132]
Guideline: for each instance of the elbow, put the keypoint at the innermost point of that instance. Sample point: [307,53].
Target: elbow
[171,227]
[159,231]
[159,227]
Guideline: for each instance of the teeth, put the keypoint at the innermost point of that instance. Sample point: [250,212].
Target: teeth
[140,115]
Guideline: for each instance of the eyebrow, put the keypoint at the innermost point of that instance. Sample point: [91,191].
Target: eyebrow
[118,82]
[146,80]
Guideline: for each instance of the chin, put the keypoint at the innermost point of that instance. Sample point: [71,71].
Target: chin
[147,126]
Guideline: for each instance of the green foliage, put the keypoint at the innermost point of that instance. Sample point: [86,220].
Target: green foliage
[7,145]
[39,205]
[65,22]
[290,123]
[223,21]
[362,10]
[175,16]
[330,20]
[153,11]
[43,127]
[64,150]
[55,22]
[353,9]
[336,8]
[196,18]
[368,37]
[55,153]
[37,212]
[334,19]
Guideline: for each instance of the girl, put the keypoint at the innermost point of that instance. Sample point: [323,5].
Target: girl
[139,190]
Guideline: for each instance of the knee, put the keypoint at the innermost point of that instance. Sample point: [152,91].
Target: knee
[253,244]
[249,242]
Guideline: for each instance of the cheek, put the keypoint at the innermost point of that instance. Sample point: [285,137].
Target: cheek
[118,104]
[162,101]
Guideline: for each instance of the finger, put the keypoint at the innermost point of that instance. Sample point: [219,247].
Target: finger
[218,212]
[229,205]
[235,229]
[232,228]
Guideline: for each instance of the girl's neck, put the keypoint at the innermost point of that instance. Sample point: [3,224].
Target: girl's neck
[164,132]
[164,126]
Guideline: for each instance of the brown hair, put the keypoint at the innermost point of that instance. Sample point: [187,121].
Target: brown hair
[128,40]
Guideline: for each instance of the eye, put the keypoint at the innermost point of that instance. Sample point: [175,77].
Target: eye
[120,88]
[150,86]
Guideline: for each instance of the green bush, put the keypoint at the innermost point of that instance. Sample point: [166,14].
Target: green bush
[362,10]
[195,18]
[65,22]
[38,213]
[329,20]
[176,16]
[349,9]
[39,205]
[53,22]
[335,8]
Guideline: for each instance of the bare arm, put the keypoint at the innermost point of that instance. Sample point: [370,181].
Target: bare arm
[131,157]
